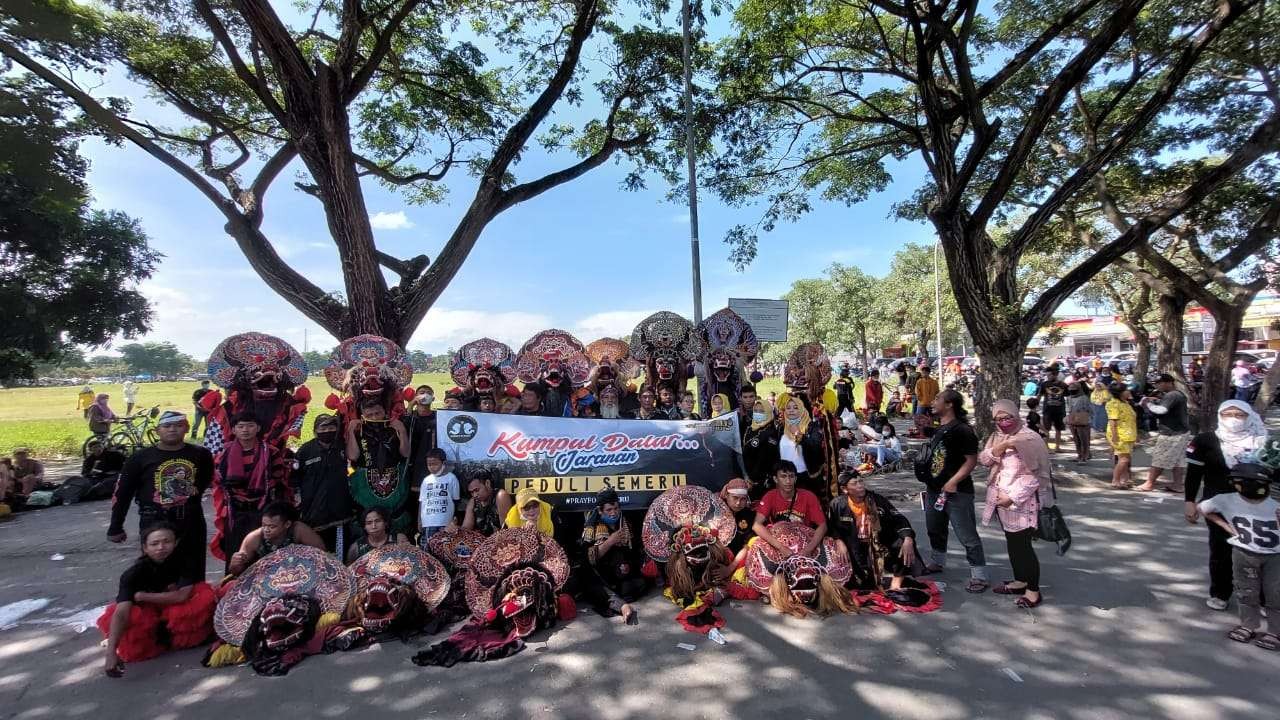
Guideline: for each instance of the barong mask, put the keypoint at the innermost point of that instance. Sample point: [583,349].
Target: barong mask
[695,543]
[802,575]
[484,366]
[369,367]
[665,344]
[526,595]
[513,579]
[257,363]
[796,584]
[285,622]
[808,370]
[730,345]
[555,358]
[611,365]
[397,587]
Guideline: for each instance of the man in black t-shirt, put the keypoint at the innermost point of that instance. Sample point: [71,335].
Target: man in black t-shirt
[320,475]
[421,426]
[945,467]
[1053,399]
[167,481]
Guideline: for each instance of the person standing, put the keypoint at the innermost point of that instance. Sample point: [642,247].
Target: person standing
[1019,462]
[421,426]
[320,475]
[130,396]
[873,393]
[1241,380]
[1079,419]
[200,413]
[844,387]
[746,407]
[1252,519]
[1053,398]
[101,416]
[1099,396]
[439,494]
[1210,456]
[926,389]
[913,375]
[1174,430]
[84,400]
[1122,433]
[945,467]
[760,448]
[167,481]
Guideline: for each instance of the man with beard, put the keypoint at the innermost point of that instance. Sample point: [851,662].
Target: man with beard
[610,579]
[320,475]
[610,402]
[167,481]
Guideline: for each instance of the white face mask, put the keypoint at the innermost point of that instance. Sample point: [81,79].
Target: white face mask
[426,399]
[1232,424]
[757,417]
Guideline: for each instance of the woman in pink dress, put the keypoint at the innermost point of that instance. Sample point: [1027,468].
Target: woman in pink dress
[1019,463]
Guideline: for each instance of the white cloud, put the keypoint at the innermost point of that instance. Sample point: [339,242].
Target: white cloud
[615,324]
[444,328]
[391,221]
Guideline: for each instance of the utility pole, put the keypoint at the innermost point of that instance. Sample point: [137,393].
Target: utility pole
[690,146]
[937,299]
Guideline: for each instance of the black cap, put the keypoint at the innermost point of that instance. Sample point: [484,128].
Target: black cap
[1166,377]
[1250,472]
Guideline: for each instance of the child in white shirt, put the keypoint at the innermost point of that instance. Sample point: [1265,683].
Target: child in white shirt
[439,492]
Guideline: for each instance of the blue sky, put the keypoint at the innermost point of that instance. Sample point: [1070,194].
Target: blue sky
[587,257]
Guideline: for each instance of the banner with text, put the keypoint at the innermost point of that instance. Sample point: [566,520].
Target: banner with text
[568,460]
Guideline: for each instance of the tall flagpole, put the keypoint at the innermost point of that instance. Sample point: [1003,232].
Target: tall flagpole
[690,145]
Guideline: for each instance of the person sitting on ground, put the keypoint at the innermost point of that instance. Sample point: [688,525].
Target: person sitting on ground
[162,604]
[1252,518]
[485,507]
[610,579]
[28,472]
[737,495]
[878,539]
[1033,416]
[437,499]
[786,502]
[376,522]
[280,528]
[8,486]
[529,511]
[101,463]
[888,449]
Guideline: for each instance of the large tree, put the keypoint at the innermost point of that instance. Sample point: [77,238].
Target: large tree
[68,273]
[380,90]
[825,93]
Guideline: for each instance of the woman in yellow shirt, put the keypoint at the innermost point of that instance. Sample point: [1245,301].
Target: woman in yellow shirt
[529,511]
[1122,432]
[85,400]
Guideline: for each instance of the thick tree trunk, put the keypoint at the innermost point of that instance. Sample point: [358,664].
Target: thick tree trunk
[1267,393]
[1142,365]
[999,378]
[1217,372]
[1172,333]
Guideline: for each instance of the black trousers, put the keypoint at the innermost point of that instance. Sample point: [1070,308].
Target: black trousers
[1022,556]
[1220,578]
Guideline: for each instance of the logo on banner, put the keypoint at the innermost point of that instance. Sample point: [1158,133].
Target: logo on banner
[461,429]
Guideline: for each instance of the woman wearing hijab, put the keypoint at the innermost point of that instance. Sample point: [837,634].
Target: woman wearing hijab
[1240,433]
[100,415]
[1019,463]
[760,447]
[719,405]
[801,443]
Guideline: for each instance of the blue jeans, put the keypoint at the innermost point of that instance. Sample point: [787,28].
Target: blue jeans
[1098,417]
[962,516]
[886,456]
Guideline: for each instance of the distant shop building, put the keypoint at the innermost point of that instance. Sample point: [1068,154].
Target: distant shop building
[1086,336]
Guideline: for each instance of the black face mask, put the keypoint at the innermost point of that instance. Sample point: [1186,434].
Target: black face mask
[1252,491]
[326,437]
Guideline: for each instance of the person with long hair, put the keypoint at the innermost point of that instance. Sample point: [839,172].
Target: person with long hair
[1122,433]
[1019,463]
[1210,456]
[377,532]
[945,467]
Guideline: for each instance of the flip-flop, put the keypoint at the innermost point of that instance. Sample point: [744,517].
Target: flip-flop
[1004,589]
[1241,634]
[1025,603]
[633,618]
[1268,641]
[976,586]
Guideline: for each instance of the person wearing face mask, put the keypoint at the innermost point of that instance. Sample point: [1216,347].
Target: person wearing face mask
[1019,463]
[529,511]
[1251,519]
[760,448]
[610,578]
[801,443]
[420,423]
[1099,396]
[320,475]
[1210,458]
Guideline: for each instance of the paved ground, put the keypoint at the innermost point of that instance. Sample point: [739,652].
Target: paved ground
[1124,633]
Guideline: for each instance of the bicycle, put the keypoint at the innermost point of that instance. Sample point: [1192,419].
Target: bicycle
[135,431]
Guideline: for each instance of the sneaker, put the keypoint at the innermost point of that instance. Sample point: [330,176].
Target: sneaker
[1216,603]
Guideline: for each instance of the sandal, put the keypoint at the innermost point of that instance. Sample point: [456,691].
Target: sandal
[1268,641]
[976,586]
[115,671]
[1241,634]
[1004,588]
[933,568]
[1026,603]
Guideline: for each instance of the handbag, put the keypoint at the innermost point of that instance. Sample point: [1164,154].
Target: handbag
[1051,526]
[1079,417]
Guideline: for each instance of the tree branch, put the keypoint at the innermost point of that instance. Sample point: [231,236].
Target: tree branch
[242,71]
[381,46]
[1027,54]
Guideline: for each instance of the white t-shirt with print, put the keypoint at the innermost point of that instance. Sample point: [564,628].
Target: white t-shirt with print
[436,500]
[1257,526]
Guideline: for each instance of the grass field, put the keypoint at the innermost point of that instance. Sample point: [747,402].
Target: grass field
[46,420]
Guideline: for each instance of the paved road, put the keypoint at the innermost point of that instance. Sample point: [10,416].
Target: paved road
[1124,634]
